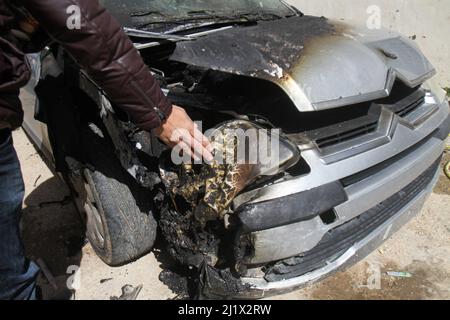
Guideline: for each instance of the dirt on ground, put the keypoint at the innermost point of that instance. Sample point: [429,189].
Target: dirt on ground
[53,233]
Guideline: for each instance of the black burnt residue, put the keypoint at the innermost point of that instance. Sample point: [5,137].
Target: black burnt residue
[189,243]
[196,275]
[218,284]
[264,50]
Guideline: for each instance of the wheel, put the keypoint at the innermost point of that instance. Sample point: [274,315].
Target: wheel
[119,213]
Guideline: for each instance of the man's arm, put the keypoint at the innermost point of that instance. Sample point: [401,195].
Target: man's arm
[102,48]
[107,54]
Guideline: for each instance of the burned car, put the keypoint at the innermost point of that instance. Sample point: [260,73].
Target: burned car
[361,127]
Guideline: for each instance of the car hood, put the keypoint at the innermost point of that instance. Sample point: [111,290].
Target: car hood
[320,64]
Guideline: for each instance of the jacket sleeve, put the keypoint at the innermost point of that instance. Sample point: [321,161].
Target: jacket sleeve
[107,54]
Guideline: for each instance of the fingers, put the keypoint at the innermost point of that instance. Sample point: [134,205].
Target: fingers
[190,145]
[202,146]
[199,149]
[188,150]
[199,143]
[181,130]
[203,140]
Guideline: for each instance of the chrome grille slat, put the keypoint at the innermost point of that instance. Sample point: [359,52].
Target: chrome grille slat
[348,135]
[400,103]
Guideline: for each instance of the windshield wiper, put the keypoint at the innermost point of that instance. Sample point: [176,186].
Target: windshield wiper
[234,19]
[202,13]
[248,16]
[205,16]
[154,35]
[164,36]
[191,16]
[147,13]
[255,16]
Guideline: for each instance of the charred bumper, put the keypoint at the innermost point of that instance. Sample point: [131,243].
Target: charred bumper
[295,208]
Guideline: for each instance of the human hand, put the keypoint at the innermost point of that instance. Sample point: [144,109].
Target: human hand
[179,130]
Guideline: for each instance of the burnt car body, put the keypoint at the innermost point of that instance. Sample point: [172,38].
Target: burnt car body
[359,106]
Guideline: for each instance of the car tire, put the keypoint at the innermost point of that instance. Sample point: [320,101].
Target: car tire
[119,214]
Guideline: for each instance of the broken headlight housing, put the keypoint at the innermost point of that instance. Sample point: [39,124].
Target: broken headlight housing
[244,152]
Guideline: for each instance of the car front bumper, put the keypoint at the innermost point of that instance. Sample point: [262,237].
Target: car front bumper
[260,287]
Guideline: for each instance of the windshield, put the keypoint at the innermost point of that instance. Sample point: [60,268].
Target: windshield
[140,12]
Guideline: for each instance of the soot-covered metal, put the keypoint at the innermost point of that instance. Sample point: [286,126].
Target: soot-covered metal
[267,50]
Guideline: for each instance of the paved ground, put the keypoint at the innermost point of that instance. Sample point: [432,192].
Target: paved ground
[53,232]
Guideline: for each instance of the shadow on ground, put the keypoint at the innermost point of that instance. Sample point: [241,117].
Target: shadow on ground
[53,232]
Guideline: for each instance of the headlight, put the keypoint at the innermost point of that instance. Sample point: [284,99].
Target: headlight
[244,152]
[244,143]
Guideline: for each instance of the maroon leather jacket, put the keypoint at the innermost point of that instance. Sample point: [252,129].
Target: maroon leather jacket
[100,47]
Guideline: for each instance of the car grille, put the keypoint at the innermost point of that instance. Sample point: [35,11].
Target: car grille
[342,238]
[408,104]
[347,135]
[348,130]
[402,101]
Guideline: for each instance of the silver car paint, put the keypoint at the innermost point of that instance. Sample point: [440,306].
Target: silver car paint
[42,64]
[260,288]
[355,67]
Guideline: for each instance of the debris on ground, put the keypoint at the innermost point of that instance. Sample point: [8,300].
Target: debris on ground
[105,280]
[218,284]
[399,274]
[36,181]
[129,292]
